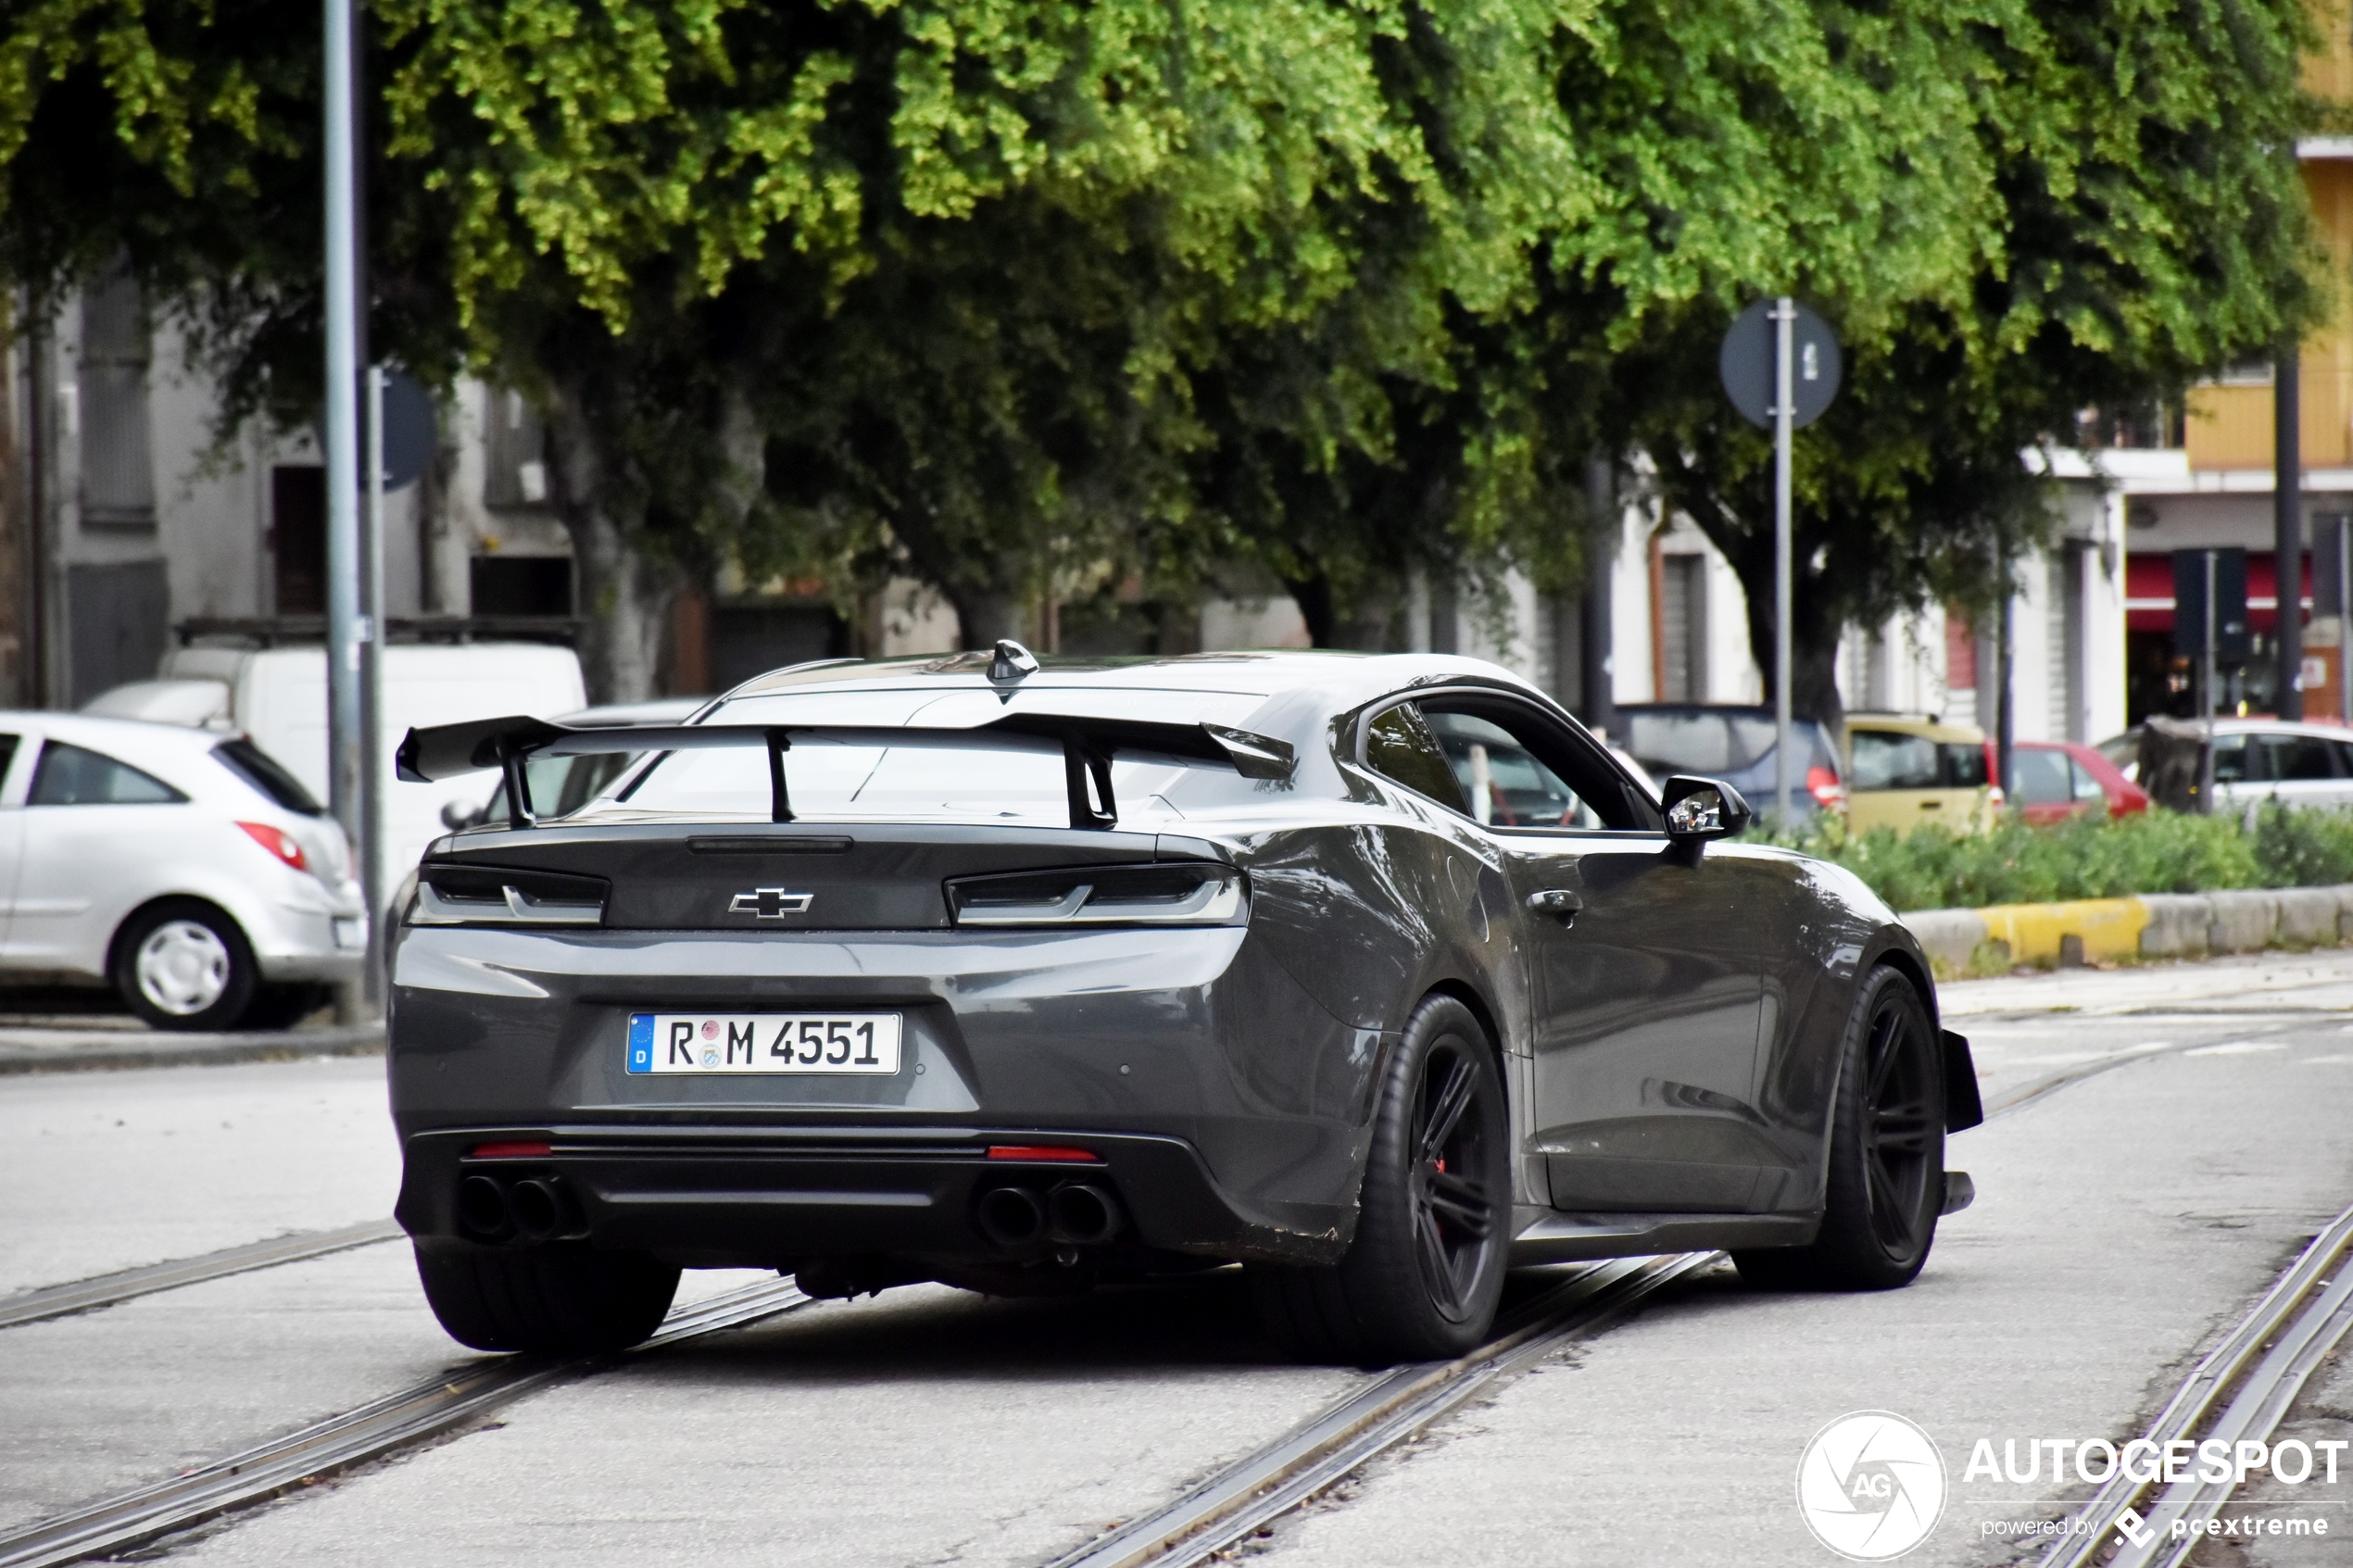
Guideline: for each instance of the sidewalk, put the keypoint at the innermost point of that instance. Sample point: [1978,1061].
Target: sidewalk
[79,1042]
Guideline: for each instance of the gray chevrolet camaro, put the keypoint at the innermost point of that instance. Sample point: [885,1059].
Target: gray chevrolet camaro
[1375,975]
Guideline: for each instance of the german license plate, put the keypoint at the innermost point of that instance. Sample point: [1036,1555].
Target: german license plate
[763,1042]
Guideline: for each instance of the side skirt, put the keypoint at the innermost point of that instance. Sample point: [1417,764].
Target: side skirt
[1569,1239]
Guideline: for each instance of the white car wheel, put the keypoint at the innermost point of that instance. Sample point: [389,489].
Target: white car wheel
[182,967]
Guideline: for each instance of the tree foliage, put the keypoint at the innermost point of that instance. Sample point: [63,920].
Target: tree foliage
[1020,294]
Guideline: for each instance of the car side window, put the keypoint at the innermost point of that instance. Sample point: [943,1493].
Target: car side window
[1965,764]
[1890,760]
[1508,785]
[7,755]
[2042,777]
[2231,761]
[1399,747]
[2086,786]
[1521,767]
[73,775]
[2299,756]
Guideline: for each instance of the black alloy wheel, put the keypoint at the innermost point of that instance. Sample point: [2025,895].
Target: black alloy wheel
[1886,1176]
[1423,1274]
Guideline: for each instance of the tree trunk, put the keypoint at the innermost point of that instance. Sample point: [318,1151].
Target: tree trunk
[623,597]
[1813,654]
[985,615]
[1314,596]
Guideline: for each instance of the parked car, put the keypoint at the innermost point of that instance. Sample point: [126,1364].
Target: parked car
[2257,759]
[2056,780]
[187,868]
[1905,770]
[1025,974]
[1736,744]
[279,697]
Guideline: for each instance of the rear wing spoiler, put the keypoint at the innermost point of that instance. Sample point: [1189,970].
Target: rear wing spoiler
[1087,745]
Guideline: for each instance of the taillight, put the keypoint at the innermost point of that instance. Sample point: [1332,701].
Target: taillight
[1997,798]
[1823,785]
[279,842]
[461,895]
[1169,893]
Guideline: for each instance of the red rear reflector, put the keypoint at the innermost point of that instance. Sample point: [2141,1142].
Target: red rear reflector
[511,1151]
[1044,1151]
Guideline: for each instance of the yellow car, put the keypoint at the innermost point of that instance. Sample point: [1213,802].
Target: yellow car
[1903,770]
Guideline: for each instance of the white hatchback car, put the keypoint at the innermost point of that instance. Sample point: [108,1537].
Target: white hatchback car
[185,868]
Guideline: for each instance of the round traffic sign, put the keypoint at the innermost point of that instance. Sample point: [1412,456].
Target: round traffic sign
[1746,364]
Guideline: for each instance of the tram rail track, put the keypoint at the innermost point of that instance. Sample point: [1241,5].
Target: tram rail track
[1383,1411]
[126,1520]
[2240,1390]
[126,1285]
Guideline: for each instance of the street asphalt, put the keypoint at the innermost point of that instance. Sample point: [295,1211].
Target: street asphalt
[2124,1221]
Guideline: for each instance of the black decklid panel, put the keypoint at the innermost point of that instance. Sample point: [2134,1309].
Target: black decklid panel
[880,876]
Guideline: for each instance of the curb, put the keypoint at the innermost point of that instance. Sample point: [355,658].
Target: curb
[66,1051]
[2150,925]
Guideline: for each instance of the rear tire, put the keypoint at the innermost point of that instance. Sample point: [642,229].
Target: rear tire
[564,1300]
[1422,1277]
[1886,1178]
[183,964]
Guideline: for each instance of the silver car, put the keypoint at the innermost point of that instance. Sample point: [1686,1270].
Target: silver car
[2259,759]
[185,868]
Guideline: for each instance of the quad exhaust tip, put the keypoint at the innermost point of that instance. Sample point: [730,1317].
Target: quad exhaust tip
[533,1209]
[1012,1217]
[1082,1214]
[1073,1215]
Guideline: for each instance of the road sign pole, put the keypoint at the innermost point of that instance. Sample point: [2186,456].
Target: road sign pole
[2345,619]
[1784,319]
[2205,689]
[342,427]
[372,669]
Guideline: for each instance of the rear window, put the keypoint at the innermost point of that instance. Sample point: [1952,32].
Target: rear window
[830,782]
[267,774]
[1892,760]
[1684,743]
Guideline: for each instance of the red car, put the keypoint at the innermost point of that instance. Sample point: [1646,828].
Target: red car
[2059,778]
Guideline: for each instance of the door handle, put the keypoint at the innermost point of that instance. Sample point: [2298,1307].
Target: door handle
[1931,805]
[1558,901]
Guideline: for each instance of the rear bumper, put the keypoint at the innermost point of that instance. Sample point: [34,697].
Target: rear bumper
[772,1196]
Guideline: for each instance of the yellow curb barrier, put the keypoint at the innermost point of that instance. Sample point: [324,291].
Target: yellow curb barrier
[2107,928]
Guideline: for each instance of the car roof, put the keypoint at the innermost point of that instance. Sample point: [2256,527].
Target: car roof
[146,736]
[1345,679]
[1916,725]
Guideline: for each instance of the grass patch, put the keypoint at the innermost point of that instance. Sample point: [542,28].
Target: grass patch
[2158,851]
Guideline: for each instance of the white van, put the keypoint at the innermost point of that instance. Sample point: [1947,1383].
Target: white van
[279,697]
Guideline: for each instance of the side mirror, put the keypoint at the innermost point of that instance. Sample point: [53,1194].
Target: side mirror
[1698,810]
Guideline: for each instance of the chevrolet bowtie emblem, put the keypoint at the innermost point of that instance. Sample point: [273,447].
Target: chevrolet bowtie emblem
[770,903]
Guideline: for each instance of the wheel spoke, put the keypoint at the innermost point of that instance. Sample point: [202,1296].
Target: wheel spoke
[1460,1201]
[1901,1129]
[1446,1111]
[1436,1262]
[1882,1053]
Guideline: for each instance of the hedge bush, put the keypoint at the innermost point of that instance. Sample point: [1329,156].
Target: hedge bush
[2088,858]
